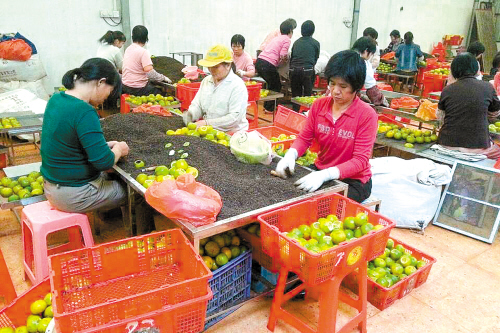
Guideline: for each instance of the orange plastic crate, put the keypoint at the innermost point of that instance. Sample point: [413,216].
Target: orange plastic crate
[382,297]
[257,253]
[313,268]
[127,278]
[433,82]
[254,92]
[275,131]
[185,317]
[289,120]
[16,313]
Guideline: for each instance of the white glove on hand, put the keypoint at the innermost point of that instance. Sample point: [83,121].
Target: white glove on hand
[187,117]
[287,162]
[385,102]
[314,180]
[240,72]
[168,80]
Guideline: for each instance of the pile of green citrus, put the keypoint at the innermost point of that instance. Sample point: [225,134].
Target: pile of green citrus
[41,315]
[9,122]
[205,132]
[394,265]
[184,80]
[152,100]
[410,135]
[162,172]
[329,231]
[307,99]
[283,137]
[306,160]
[22,187]
[218,250]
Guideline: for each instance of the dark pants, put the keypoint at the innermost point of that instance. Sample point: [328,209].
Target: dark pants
[270,74]
[301,80]
[144,91]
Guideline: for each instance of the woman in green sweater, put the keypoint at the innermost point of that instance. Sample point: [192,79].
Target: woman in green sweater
[74,151]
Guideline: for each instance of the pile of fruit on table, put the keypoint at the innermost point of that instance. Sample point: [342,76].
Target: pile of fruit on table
[10,122]
[386,68]
[41,315]
[440,71]
[495,127]
[205,132]
[410,135]
[163,172]
[264,93]
[305,160]
[184,80]
[329,232]
[393,265]
[23,187]
[220,249]
[307,99]
[152,100]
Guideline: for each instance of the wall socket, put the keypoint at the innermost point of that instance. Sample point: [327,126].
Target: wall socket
[110,13]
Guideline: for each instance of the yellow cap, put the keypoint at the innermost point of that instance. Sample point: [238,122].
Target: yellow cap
[216,55]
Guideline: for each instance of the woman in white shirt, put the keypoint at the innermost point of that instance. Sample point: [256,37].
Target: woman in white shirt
[222,99]
[111,43]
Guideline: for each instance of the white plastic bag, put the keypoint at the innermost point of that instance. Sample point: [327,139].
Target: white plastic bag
[251,147]
[30,70]
[409,192]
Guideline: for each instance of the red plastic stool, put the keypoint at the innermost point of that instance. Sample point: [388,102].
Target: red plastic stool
[7,291]
[37,222]
[328,294]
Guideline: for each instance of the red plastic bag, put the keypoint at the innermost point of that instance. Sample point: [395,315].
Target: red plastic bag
[185,199]
[15,49]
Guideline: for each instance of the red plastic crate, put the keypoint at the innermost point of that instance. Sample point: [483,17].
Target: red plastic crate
[124,107]
[275,131]
[185,92]
[289,120]
[387,118]
[433,82]
[258,254]
[254,91]
[315,268]
[382,297]
[455,40]
[127,278]
[16,313]
[320,82]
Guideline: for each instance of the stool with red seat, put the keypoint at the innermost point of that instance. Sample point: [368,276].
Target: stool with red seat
[38,221]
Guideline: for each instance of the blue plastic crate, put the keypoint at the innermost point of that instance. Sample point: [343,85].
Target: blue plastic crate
[230,284]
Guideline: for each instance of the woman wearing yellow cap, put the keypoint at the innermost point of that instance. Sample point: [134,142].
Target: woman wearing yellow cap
[222,99]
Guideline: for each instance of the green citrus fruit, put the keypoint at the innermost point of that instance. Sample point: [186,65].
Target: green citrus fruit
[221,259]
[38,307]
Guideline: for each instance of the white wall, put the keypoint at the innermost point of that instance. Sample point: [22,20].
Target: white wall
[193,25]
[64,32]
[428,20]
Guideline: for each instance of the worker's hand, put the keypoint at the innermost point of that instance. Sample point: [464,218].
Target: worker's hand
[124,149]
[287,163]
[201,122]
[315,179]
[385,102]
[187,117]
[168,80]
[240,73]
[111,144]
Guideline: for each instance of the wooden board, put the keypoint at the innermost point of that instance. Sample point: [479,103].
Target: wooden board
[483,30]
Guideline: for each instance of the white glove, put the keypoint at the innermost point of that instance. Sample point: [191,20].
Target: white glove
[287,163]
[385,102]
[314,180]
[240,72]
[168,80]
[187,117]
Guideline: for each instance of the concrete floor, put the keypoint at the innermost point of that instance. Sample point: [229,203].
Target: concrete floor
[462,293]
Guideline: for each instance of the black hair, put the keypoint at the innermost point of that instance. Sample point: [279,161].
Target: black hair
[370,32]
[110,37]
[292,22]
[476,48]
[408,38]
[349,66]
[464,64]
[495,64]
[365,44]
[238,40]
[286,27]
[307,28]
[140,34]
[395,33]
[94,69]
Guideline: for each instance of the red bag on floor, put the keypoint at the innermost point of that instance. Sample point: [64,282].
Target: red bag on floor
[15,49]
[185,199]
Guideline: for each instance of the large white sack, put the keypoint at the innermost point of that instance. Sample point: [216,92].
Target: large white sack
[409,195]
[29,70]
[36,87]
